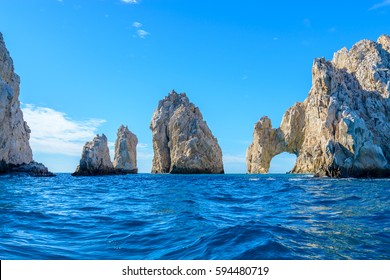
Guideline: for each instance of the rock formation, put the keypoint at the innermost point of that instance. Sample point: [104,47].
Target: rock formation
[182,141]
[125,158]
[15,152]
[342,129]
[95,159]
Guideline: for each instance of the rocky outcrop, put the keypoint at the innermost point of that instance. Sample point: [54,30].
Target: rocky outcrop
[33,168]
[95,159]
[342,129]
[15,152]
[125,159]
[182,141]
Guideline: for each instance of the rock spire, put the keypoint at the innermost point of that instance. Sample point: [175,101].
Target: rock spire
[182,141]
[126,151]
[95,158]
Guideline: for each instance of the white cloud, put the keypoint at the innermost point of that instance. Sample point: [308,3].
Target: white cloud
[142,33]
[130,1]
[143,145]
[144,152]
[137,24]
[380,5]
[53,132]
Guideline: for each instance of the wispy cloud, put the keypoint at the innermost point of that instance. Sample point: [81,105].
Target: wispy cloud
[142,33]
[137,24]
[380,5]
[143,154]
[53,132]
[234,159]
[130,1]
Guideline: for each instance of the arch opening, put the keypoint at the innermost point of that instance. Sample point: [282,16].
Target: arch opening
[282,163]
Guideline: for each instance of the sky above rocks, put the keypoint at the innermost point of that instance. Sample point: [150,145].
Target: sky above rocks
[87,67]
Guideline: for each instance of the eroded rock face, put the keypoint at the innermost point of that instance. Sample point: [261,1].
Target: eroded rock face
[342,129]
[126,151]
[95,158]
[182,141]
[15,149]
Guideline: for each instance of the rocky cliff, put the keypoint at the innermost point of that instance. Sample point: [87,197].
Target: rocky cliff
[95,159]
[15,151]
[342,129]
[125,158]
[182,141]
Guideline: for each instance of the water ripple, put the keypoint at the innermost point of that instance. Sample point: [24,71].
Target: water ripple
[194,217]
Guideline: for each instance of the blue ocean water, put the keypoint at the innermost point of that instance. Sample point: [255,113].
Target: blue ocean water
[148,216]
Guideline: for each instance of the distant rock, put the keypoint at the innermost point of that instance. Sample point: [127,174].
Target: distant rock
[342,129]
[95,159]
[125,159]
[182,141]
[15,152]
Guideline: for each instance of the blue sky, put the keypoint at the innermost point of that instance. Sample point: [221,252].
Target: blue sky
[89,66]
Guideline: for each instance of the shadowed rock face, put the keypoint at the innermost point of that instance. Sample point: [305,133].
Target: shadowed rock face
[15,152]
[126,151]
[342,129]
[95,159]
[182,141]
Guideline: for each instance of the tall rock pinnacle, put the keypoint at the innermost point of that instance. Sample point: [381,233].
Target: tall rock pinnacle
[182,141]
[126,151]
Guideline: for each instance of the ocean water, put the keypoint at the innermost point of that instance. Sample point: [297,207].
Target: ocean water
[148,216]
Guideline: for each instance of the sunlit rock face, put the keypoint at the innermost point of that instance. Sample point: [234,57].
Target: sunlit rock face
[95,158]
[342,129]
[15,151]
[125,158]
[182,141]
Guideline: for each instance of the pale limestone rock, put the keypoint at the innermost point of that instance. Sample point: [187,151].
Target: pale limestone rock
[95,159]
[267,142]
[125,158]
[182,141]
[14,132]
[15,149]
[342,129]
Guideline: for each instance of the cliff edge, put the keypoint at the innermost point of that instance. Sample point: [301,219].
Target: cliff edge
[15,151]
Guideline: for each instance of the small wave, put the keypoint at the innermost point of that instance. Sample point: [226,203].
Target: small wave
[194,217]
[269,250]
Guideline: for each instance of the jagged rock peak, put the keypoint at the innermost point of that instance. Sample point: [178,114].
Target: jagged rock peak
[342,129]
[95,158]
[182,141]
[384,40]
[126,151]
[15,151]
